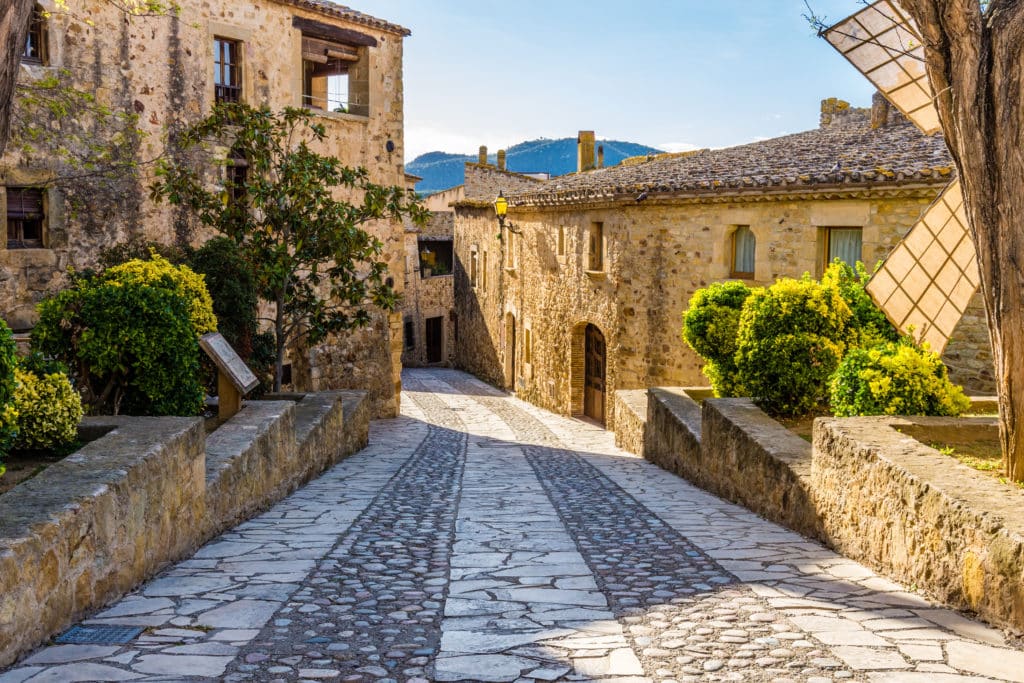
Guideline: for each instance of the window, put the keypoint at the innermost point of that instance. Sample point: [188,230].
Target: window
[744,246]
[561,240]
[595,259]
[410,335]
[474,258]
[845,244]
[25,218]
[35,41]
[334,77]
[227,70]
[435,257]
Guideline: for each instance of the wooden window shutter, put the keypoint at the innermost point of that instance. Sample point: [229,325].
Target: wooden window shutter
[24,203]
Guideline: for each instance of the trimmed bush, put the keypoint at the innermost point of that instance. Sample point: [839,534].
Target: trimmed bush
[179,280]
[895,378]
[868,326]
[791,338]
[231,285]
[710,326]
[132,346]
[49,410]
[8,384]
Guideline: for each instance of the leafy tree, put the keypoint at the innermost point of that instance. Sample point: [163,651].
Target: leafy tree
[311,257]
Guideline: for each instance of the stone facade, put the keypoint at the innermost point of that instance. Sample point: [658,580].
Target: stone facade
[619,250]
[161,68]
[429,293]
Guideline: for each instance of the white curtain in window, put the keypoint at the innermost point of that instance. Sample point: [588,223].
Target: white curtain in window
[844,244]
[743,254]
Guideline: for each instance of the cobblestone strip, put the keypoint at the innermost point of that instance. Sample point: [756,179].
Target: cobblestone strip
[686,617]
[522,605]
[371,610]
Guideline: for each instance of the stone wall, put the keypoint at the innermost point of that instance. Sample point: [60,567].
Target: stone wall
[161,69]
[656,254]
[629,417]
[672,435]
[428,297]
[890,501]
[148,492]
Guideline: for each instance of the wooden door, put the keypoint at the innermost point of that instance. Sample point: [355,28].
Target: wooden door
[594,374]
[435,340]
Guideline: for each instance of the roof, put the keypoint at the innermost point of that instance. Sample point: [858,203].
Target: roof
[333,9]
[897,153]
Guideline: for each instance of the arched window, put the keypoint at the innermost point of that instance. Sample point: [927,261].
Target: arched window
[744,246]
[35,41]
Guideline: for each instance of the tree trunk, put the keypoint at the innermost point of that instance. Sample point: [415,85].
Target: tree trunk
[13,33]
[279,338]
[974,63]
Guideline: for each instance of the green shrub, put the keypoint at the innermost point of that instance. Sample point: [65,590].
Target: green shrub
[868,326]
[49,410]
[132,346]
[8,384]
[232,287]
[895,378]
[179,280]
[710,325]
[791,338]
[139,248]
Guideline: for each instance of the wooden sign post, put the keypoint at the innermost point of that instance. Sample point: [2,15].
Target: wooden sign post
[234,378]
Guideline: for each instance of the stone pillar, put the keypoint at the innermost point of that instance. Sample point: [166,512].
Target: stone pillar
[501,160]
[879,111]
[482,159]
[585,151]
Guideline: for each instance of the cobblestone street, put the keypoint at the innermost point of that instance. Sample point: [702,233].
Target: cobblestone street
[479,538]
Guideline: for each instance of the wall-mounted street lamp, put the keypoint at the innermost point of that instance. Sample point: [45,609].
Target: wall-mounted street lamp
[501,209]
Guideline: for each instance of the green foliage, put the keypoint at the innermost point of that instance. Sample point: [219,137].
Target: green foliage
[49,410]
[142,249]
[895,378]
[311,257]
[710,325]
[182,281]
[8,384]
[232,287]
[790,340]
[869,326]
[132,347]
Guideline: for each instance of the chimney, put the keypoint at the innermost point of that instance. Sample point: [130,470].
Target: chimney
[830,109]
[879,111]
[501,160]
[585,151]
[482,159]
[600,156]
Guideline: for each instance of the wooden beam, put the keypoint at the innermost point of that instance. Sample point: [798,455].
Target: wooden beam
[318,29]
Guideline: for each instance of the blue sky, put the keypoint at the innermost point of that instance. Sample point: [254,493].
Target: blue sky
[674,74]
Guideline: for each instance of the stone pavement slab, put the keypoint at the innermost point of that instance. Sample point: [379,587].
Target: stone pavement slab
[479,538]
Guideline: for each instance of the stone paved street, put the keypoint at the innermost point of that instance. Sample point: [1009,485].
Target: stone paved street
[479,538]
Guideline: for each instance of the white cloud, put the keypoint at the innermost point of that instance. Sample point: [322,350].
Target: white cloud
[677,146]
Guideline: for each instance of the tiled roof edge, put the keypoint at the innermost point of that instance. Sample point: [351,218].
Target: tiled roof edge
[337,11]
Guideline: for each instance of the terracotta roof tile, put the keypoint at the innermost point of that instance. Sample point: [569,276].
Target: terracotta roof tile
[333,9]
[896,153]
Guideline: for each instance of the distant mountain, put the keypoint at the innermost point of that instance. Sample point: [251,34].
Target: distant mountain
[441,170]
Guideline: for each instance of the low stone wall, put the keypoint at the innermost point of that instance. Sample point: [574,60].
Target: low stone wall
[148,492]
[750,459]
[921,517]
[673,430]
[89,528]
[629,408]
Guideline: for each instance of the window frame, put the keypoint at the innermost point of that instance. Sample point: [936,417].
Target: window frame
[825,234]
[595,247]
[19,241]
[228,48]
[345,59]
[37,27]
[734,243]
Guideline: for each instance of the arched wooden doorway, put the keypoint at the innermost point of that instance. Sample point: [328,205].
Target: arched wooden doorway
[510,351]
[594,363]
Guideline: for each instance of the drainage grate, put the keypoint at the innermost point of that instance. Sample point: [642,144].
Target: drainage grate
[99,635]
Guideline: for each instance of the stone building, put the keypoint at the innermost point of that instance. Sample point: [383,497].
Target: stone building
[168,71]
[583,294]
